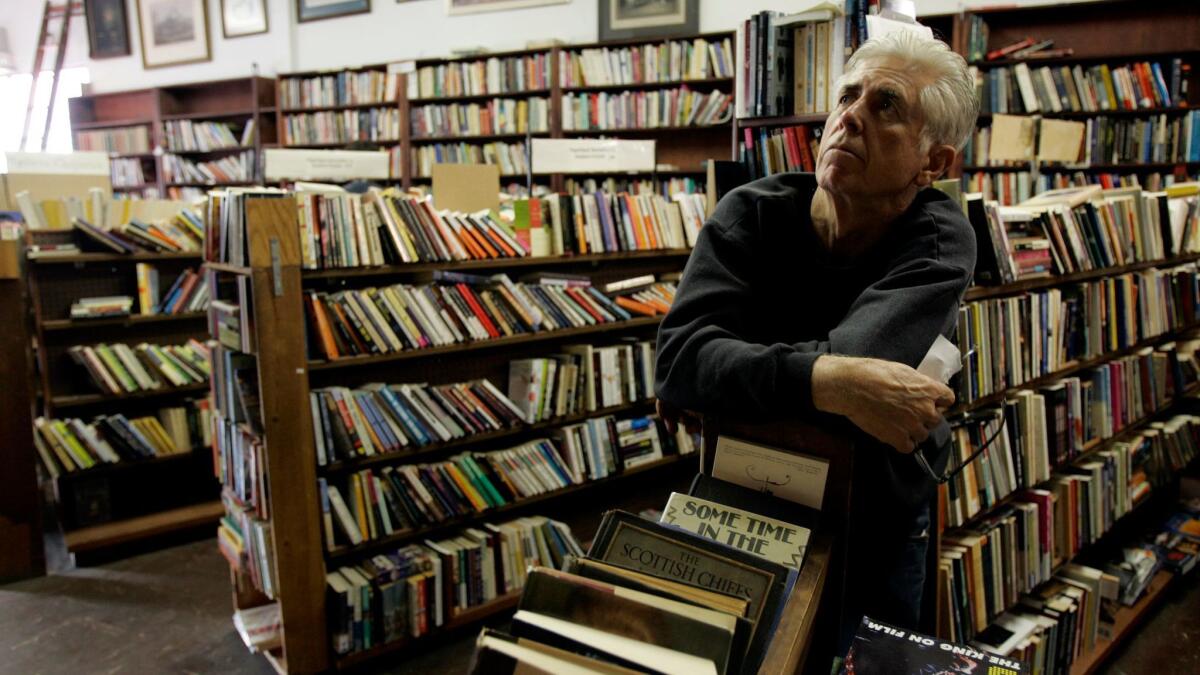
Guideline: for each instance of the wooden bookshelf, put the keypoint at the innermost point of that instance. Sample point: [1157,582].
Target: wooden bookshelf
[97,537]
[1125,622]
[236,100]
[1052,281]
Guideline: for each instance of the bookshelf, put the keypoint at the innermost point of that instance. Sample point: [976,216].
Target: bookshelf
[113,504]
[681,150]
[286,377]
[236,102]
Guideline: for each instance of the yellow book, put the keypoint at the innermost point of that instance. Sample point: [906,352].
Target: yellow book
[465,485]
[55,213]
[365,525]
[72,444]
[1183,189]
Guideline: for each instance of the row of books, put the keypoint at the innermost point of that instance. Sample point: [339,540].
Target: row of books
[414,590]
[346,126]
[102,307]
[98,206]
[1023,337]
[977,38]
[344,88]
[668,108]
[372,504]
[126,172]
[1036,431]
[671,61]
[605,222]
[497,116]
[1177,543]
[456,308]
[70,445]
[188,293]
[379,419]
[117,140]
[765,152]
[246,542]
[495,75]
[177,235]
[1080,88]
[188,135]
[1161,139]
[1153,181]
[633,602]
[1007,569]
[1008,188]
[790,62]
[582,378]
[512,158]
[119,369]
[582,185]
[339,229]
[237,168]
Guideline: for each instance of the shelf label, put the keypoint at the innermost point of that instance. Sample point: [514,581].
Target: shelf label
[591,155]
[292,164]
[55,163]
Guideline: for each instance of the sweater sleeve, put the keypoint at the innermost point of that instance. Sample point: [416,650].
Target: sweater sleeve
[706,363]
[705,360]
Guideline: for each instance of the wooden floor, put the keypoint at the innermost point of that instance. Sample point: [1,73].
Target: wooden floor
[169,612]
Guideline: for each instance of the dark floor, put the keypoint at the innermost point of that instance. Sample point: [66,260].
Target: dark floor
[169,612]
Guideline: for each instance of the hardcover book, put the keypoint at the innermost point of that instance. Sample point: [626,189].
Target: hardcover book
[880,648]
[767,538]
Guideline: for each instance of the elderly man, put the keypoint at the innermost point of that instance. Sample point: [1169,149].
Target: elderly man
[817,295]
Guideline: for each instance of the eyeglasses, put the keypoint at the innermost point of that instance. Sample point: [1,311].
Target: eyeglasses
[951,472]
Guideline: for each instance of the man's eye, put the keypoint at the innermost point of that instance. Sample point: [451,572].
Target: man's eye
[845,98]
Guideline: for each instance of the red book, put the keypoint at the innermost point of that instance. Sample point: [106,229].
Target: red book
[473,303]
[805,148]
[587,307]
[1006,50]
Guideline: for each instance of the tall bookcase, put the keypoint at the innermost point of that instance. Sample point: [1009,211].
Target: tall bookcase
[286,377]
[114,504]
[236,101]
[682,147]
[1156,33]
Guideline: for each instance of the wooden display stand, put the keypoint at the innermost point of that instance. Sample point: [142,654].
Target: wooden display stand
[802,643]
[21,553]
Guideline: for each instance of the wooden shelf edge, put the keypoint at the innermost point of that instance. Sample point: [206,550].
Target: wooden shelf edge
[143,527]
[124,321]
[471,615]
[113,257]
[102,399]
[492,263]
[525,338]
[1026,285]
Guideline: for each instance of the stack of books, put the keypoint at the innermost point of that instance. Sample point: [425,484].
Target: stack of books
[495,75]
[188,293]
[374,503]
[377,418]
[455,309]
[245,540]
[186,135]
[673,61]
[182,234]
[606,222]
[344,88]
[115,140]
[497,116]
[237,168]
[101,308]
[412,591]
[582,378]
[126,172]
[512,158]
[665,109]
[779,150]
[346,126]
[117,369]
[1081,88]
[659,596]
[792,61]
[70,445]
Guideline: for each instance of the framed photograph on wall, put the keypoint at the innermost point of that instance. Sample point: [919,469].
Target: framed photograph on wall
[647,19]
[173,32]
[243,17]
[313,10]
[475,6]
[108,28]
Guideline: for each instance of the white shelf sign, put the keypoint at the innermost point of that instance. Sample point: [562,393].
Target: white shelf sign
[588,155]
[55,163]
[289,164]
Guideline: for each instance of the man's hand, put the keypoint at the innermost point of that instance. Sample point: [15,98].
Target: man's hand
[672,416]
[888,400]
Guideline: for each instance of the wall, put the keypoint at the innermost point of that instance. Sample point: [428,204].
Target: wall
[392,31]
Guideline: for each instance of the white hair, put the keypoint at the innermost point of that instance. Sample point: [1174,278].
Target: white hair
[949,102]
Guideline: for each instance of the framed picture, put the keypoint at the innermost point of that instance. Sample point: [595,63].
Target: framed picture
[638,19]
[173,32]
[474,6]
[243,17]
[108,28]
[312,10]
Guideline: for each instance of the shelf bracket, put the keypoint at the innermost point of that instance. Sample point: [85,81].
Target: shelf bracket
[276,270]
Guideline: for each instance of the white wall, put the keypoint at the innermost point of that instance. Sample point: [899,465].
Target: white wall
[392,31]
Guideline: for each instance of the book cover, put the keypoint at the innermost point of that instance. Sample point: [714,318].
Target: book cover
[880,648]
[767,538]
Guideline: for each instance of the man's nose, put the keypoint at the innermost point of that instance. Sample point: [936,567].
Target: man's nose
[851,118]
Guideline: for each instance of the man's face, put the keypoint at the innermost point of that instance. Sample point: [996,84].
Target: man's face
[871,147]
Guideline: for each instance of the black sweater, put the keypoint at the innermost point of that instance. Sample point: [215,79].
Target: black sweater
[761,299]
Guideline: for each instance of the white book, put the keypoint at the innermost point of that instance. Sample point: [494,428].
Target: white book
[344,517]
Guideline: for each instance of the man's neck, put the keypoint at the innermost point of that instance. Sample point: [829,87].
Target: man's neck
[849,227]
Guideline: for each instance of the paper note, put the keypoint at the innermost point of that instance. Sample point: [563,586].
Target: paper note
[787,475]
[1060,141]
[942,361]
[1012,138]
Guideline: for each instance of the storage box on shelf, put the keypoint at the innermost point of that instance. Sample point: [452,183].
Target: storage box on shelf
[407,427]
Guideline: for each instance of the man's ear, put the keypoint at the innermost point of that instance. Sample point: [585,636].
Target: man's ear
[937,163]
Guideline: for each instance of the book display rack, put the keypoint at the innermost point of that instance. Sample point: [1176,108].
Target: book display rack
[137,495]
[178,140]
[283,540]
[486,108]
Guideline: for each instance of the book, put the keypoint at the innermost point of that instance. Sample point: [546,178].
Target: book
[879,647]
[499,653]
[768,538]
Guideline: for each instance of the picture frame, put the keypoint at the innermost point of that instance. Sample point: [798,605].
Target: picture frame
[240,18]
[173,32]
[316,10]
[457,7]
[107,28]
[648,19]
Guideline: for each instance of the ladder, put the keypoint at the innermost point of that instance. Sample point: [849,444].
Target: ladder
[61,13]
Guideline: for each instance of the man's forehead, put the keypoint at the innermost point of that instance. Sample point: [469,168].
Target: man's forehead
[891,73]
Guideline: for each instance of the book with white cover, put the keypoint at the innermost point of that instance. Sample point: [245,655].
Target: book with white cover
[768,538]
